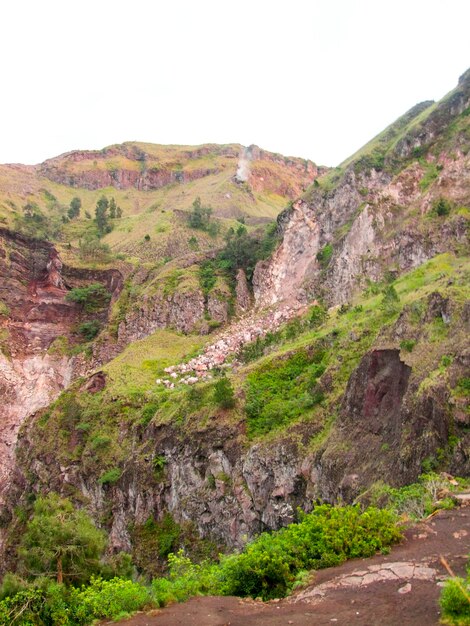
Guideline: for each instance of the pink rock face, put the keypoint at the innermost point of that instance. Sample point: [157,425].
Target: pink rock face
[33,290]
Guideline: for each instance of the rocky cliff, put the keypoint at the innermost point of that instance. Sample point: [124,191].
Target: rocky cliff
[37,323]
[374,214]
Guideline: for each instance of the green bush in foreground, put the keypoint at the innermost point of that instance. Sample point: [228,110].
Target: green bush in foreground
[455,600]
[268,567]
[326,537]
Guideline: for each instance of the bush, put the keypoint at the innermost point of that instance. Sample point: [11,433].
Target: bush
[200,216]
[89,330]
[455,600]
[441,207]
[280,391]
[327,536]
[223,393]
[324,255]
[390,300]
[91,298]
[109,599]
[408,344]
[110,477]
[60,541]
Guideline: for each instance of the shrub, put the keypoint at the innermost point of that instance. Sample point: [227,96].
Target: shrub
[223,393]
[102,599]
[455,600]
[91,298]
[327,536]
[390,300]
[280,391]
[60,541]
[110,477]
[89,330]
[324,255]
[408,344]
[441,207]
[200,216]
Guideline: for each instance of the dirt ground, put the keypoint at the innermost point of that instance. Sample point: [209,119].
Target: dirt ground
[401,588]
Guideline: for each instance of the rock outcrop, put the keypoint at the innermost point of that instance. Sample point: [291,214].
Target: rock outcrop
[34,315]
[376,213]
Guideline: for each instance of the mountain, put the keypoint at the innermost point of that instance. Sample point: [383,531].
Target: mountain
[216,396]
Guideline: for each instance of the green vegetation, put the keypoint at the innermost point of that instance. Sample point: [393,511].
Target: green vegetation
[223,393]
[60,542]
[200,218]
[324,255]
[91,298]
[390,300]
[455,600]
[268,567]
[328,536]
[430,174]
[280,391]
[243,251]
[101,216]
[89,330]
[74,207]
[417,500]
[407,344]
[442,207]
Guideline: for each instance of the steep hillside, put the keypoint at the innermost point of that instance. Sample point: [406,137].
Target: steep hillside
[154,186]
[399,201]
[146,249]
[350,370]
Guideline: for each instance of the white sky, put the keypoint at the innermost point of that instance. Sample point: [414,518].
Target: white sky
[305,78]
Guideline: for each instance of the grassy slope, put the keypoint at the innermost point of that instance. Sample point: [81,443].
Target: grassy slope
[147,212]
[132,396]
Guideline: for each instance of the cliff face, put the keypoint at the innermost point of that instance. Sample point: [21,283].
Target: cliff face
[34,314]
[375,213]
[147,168]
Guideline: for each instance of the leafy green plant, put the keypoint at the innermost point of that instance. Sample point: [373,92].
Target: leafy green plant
[60,542]
[455,600]
[327,536]
[200,216]
[441,207]
[89,330]
[324,255]
[280,391]
[110,477]
[224,395]
[91,298]
[408,344]
[390,300]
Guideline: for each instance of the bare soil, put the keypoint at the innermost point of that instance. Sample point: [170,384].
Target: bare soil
[401,588]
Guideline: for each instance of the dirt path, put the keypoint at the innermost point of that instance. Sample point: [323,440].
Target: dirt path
[398,589]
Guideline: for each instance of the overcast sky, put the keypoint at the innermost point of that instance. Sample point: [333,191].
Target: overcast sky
[308,78]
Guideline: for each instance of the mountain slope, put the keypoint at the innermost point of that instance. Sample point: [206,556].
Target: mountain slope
[326,402]
[379,211]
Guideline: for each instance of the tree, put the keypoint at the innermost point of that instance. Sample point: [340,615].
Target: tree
[74,208]
[200,215]
[101,213]
[223,393]
[390,300]
[118,212]
[61,542]
[112,208]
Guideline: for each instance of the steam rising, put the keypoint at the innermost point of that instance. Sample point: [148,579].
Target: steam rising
[243,169]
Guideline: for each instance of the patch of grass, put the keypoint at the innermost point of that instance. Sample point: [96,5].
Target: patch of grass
[280,391]
[110,477]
